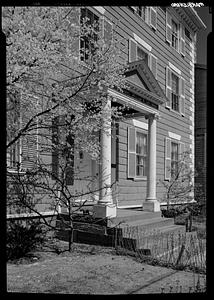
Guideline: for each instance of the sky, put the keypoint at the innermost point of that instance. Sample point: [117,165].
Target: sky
[206,17]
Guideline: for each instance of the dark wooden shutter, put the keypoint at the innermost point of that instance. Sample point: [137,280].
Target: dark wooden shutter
[168,87]
[153,17]
[167,158]
[29,142]
[132,50]
[131,153]
[181,150]
[153,65]
[168,28]
[182,40]
[182,95]
[55,150]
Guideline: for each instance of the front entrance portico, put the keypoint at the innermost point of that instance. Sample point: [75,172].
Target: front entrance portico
[105,206]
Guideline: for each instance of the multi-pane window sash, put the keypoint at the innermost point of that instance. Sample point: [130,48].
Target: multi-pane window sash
[175,92]
[141,154]
[137,153]
[174,158]
[174,35]
[13,156]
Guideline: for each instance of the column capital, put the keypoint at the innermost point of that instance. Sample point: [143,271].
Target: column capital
[152,117]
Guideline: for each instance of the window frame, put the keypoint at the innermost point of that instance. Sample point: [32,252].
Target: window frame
[173,35]
[145,51]
[168,173]
[145,156]
[174,160]
[175,102]
[132,151]
[169,91]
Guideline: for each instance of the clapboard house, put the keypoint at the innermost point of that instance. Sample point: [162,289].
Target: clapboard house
[159,45]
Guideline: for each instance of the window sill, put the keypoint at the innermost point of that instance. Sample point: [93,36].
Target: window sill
[174,111]
[140,178]
[13,171]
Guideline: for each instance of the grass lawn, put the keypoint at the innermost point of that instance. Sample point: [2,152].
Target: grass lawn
[93,270]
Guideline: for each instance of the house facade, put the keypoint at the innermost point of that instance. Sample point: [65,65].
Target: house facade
[159,45]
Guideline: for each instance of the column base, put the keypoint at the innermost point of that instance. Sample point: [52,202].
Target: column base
[105,211]
[151,205]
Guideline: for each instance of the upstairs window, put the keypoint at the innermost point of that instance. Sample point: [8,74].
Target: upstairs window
[146,13]
[188,34]
[175,92]
[89,39]
[174,35]
[137,52]
[141,54]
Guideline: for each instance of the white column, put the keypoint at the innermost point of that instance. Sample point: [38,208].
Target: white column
[151,203]
[105,207]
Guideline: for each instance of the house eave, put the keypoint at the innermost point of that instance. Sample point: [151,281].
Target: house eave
[191,17]
[145,94]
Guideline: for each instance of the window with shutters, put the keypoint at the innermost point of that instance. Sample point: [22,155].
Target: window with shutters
[138,52]
[137,153]
[88,40]
[175,34]
[173,154]
[175,91]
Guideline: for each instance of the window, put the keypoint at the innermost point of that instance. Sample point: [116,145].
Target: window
[187,34]
[67,151]
[175,93]
[13,156]
[137,153]
[141,154]
[174,158]
[136,52]
[146,13]
[88,40]
[141,54]
[173,153]
[174,35]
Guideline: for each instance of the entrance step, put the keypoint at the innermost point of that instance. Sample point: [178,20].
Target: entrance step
[127,215]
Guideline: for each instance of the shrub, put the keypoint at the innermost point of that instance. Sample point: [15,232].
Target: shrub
[23,239]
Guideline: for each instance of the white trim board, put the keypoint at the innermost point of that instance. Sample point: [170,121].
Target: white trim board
[174,68]
[142,42]
[174,136]
[140,124]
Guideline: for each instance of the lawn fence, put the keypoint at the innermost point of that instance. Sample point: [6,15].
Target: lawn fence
[179,250]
